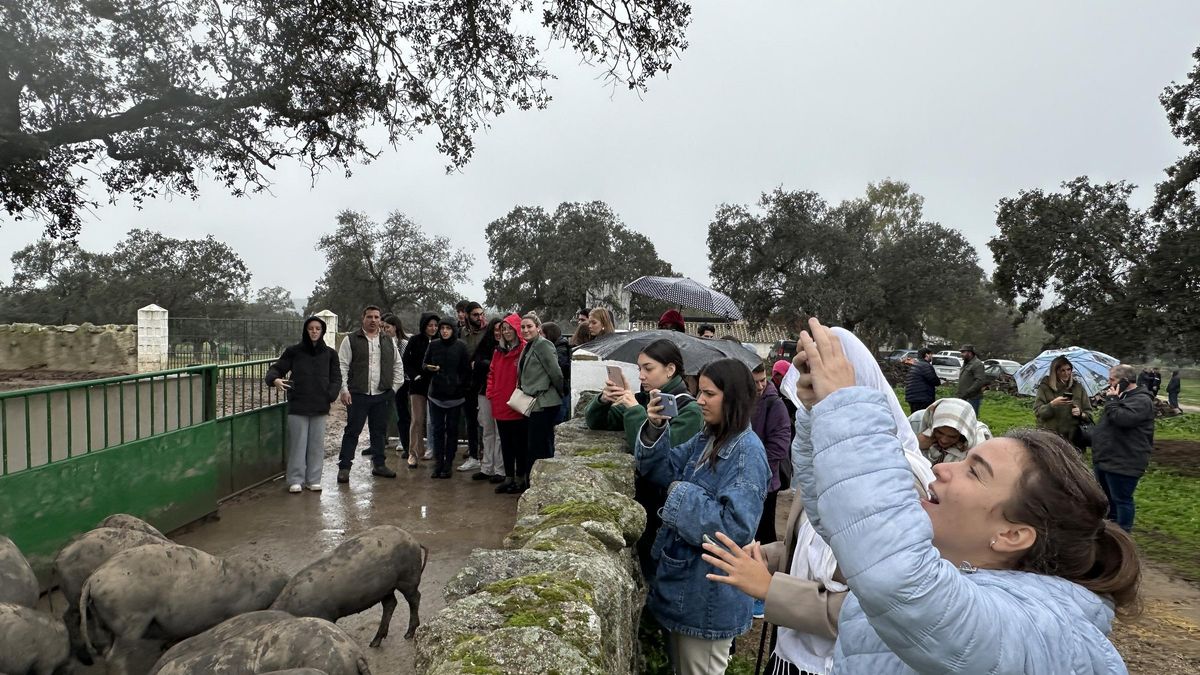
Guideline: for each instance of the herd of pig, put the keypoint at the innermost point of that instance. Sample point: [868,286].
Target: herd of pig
[149,605]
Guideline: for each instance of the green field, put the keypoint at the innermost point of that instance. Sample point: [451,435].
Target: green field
[1167,526]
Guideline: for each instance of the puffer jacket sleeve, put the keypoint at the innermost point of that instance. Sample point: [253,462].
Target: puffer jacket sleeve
[927,611]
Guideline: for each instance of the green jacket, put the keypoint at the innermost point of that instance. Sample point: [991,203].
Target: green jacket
[1058,418]
[971,379]
[609,417]
[540,375]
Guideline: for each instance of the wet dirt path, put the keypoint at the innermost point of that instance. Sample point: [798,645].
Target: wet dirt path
[450,517]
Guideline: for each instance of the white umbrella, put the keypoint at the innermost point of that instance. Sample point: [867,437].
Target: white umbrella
[1091,369]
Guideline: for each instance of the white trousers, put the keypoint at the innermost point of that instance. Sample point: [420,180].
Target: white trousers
[697,656]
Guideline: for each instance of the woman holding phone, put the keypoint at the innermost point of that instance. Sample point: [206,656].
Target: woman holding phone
[1008,566]
[1062,404]
[715,482]
[660,368]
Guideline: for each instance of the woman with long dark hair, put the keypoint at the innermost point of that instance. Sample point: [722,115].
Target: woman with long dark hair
[660,368]
[394,328]
[310,374]
[491,463]
[502,382]
[716,482]
[1007,566]
[418,383]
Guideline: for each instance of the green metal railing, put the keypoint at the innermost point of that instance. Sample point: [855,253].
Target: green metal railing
[43,425]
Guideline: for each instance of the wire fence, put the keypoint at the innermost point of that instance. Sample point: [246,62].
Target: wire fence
[201,340]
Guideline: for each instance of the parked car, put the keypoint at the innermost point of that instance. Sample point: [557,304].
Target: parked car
[902,355]
[947,367]
[949,352]
[783,349]
[1008,367]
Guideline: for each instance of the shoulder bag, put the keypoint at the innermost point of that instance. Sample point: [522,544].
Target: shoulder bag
[522,402]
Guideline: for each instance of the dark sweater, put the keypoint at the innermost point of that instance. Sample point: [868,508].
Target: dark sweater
[450,382]
[314,372]
[1124,436]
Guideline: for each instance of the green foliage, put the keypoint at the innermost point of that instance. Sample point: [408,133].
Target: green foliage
[59,282]
[871,265]
[1181,101]
[547,263]
[154,93]
[1168,519]
[1184,427]
[1081,247]
[393,264]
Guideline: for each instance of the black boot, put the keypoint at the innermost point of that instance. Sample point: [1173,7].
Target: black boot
[504,487]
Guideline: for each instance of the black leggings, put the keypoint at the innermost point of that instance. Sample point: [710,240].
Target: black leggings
[512,443]
[766,524]
[540,439]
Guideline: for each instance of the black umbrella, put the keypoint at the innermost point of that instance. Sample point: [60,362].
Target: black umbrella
[686,292]
[696,352]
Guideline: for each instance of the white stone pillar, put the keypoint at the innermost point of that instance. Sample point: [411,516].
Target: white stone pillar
[331,326]
[152,345]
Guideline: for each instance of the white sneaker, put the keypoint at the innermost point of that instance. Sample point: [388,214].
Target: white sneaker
[470,465]
[428,454]
[294,488]
[315,487]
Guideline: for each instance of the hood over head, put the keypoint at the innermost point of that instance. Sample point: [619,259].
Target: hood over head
[671,320]
[514,321]
[453,331]
[309,344]
[954,413]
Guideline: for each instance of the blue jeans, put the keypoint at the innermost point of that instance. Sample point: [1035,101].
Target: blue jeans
[1119,490]
[443,430]
[373,411]
[975,404]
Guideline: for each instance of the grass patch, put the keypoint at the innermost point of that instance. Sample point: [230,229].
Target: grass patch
[1167,524]
[1185,427]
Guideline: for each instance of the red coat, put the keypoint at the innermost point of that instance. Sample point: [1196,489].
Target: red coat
[503,375]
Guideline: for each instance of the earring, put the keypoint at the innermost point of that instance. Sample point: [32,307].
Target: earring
[993,544]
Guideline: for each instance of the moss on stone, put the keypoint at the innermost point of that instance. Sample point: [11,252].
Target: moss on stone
[591,452]
[475,662]
[544,610]
[568,513]
[547,586]
[605,464]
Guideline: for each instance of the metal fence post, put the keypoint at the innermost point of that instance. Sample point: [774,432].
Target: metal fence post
[210,393]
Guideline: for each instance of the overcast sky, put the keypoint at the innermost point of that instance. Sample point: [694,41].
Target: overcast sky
[966,101]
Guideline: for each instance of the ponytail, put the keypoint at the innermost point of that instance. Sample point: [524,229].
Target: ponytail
[1058,496]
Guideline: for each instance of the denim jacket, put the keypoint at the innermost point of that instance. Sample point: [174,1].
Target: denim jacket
[703,501]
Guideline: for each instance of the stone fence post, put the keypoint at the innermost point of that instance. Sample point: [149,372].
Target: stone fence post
[331,327]
[152,349]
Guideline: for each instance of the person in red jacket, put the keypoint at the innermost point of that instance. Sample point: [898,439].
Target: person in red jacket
[501,383]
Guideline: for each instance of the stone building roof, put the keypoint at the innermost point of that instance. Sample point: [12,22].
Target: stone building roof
[769,334]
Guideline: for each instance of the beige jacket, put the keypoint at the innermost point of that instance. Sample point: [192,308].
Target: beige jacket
[792,602]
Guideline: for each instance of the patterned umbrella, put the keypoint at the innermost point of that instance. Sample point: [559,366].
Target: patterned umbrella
[1091,369]
[697,352]
[686,292]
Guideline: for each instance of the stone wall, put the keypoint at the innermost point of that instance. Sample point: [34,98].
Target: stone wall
[107,349]
[565,594]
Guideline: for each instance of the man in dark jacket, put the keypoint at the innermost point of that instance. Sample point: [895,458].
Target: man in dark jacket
[1173,390]
[971,379]
[770,423]
[1121,443]
[920,389]
[472,333]
[371,373]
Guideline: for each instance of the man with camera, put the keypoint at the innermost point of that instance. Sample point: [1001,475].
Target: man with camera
[1121,443]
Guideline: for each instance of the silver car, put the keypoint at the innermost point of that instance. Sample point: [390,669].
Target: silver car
[947,367]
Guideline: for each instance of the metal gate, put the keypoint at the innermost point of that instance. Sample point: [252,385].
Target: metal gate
[201,340]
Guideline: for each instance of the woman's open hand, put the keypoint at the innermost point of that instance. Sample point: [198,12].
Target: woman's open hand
[830,368]
[745,568]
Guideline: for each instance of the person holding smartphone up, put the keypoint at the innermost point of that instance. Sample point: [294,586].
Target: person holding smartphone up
[660,368]
[715,481]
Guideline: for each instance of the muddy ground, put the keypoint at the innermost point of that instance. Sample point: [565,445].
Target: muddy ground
[1182,457]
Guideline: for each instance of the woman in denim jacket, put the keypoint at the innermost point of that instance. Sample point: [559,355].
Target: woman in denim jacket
[716,482]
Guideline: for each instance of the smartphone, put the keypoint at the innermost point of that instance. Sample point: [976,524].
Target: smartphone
[714,542]
[670,408]
[617,376]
